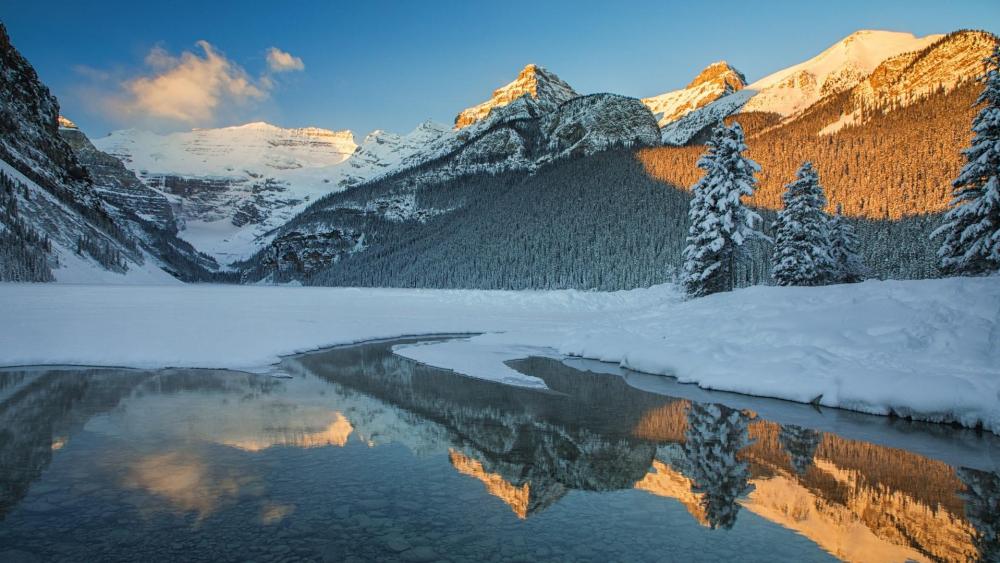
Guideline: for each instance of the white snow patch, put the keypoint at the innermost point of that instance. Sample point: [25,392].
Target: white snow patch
[477,358]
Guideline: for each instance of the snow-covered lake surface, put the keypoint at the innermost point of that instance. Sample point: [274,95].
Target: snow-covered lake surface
[363,455]
[927,349]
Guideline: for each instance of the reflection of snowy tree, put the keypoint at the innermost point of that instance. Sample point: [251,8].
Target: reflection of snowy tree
[982,508]
[714,435]
[801,444]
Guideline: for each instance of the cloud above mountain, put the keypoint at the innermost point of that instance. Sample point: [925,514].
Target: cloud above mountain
[283,61]
[196,88]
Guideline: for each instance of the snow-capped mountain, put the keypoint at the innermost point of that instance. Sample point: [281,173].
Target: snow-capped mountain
[230,186]
[254,147]
[838,68]
[906,78]
[715,81]
[792,90]
[382,151]
[547,89]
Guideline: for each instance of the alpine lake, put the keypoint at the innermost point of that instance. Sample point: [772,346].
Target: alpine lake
[361,455]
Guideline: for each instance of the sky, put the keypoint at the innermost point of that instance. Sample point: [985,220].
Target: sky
[390,65]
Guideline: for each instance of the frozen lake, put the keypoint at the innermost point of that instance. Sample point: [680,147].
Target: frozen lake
[365,455]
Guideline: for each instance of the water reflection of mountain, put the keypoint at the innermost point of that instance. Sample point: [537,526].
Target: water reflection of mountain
[856,500]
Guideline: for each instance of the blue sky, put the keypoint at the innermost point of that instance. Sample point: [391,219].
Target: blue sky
[390,65]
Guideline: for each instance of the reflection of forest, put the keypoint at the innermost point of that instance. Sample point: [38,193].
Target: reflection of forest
[856,500]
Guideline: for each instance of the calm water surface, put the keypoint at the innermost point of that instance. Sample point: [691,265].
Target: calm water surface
[363,455]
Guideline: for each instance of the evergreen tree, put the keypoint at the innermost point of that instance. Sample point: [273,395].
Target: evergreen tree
[800,444]
[720,222]
[847,264]
[714,436]
[972,226]
[802,237]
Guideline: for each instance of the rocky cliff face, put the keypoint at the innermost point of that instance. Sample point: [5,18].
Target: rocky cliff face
[547,89]
[116,184]
[715,81]
[29,124]
[68,209]
[589,124]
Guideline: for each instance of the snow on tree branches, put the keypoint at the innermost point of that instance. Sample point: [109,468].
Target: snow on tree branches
[720,222]
[971,229]
[802,237]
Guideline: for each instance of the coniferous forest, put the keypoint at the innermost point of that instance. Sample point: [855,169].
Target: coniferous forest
[592,223]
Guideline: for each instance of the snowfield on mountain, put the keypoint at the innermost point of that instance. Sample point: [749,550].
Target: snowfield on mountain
[925,349]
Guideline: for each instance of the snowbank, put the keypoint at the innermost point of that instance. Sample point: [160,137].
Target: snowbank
[928,349]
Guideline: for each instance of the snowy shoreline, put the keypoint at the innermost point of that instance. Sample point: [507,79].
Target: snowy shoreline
[926,349]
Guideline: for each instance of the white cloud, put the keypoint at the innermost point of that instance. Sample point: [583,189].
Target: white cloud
[200,87]
[282,61]
[189,88]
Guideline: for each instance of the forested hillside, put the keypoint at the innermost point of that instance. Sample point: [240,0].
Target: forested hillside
[896,164]
[597,222]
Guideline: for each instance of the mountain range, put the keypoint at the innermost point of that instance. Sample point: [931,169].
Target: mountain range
[260,202]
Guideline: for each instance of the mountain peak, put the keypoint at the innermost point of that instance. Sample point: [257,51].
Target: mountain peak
[721,74]
[533,80]
[713,82]
[838,68]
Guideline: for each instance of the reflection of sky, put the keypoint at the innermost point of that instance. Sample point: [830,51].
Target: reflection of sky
[186,480]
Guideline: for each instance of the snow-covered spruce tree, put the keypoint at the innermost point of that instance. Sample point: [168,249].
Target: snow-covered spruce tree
[800,444]
[802,236]
[847,264]
[720,222]
[971,228]
[714,436]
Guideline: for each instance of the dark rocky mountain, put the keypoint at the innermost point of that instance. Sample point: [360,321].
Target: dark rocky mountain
[67,211]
